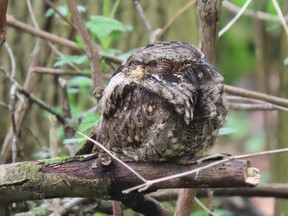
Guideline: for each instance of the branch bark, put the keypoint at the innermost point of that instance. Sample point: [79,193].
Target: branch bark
[85,176]
[90,50]
[3,10]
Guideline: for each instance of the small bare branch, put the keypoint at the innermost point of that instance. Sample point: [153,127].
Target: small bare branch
[253,173]
[280,14]
[258,14]
[152,34]
[88,46]
[222,31]
[256,95]
[3,10]
[52,5]
[173,18]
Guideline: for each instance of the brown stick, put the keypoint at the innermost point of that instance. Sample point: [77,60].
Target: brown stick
[256,95]
[3,10]
[88,46]
[69,132]
[81,176]
[23,106]
[209,16]
[13,22]
[262,190]
[52,5]
[185,198]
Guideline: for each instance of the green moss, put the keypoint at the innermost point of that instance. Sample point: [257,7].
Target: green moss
[65,159]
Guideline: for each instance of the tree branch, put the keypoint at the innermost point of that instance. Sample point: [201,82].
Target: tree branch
[13,22]
[3,10]
[256,95]
[85,176]
[90,50]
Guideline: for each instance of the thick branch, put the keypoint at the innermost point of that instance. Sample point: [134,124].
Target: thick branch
[84,176]
[209,16]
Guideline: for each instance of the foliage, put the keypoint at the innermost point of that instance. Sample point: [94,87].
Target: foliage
[111,32]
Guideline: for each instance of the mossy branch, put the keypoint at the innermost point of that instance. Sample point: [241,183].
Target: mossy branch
[87,176]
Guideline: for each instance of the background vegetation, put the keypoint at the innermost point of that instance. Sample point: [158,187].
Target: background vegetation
[252,54]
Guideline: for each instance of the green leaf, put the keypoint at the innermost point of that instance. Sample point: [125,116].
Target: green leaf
[98,214]
[286,61]
[63,9]
[238,121]
[76,59]
[255,144]
[104,25]
[89,122]
[105,29]
[73,140]
[79,81]
[218,212]
[226,131]
[109,52]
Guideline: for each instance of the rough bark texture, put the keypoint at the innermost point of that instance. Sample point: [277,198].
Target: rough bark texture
[3,10]
[209,16]
[84,176]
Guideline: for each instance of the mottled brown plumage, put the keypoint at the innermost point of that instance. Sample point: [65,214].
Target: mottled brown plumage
[165,103]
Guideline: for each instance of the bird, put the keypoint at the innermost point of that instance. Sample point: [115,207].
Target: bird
[164,103]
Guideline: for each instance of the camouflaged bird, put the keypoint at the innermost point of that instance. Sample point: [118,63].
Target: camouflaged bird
[165,103]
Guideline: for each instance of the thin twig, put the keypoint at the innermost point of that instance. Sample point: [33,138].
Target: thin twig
[69,132]
[172,19]
[13,88]
[13,22]
[263,107]
[258,14]
[222,31]
[3,11]
[59,72]
[210,195]
[204,207]
[88,46]
[113,156]
[148,183]
[280,14]
[12,59]
[64,72]
[256,95]
[51,45]
[243,103]
[32,15]
[151,33]
[42,104]
[38,140]
[3,104]
[54,7]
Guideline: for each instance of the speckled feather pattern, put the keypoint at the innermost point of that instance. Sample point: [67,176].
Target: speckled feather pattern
[165,103]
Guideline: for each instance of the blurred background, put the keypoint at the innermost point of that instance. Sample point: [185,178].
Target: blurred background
[251,54]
